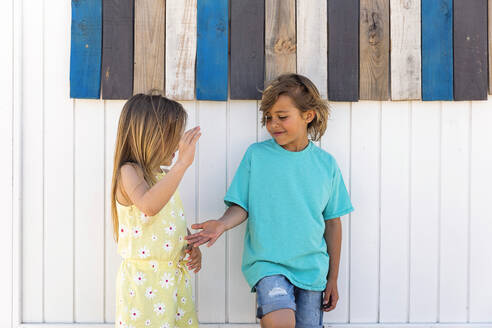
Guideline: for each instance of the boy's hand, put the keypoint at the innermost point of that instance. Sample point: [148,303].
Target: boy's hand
[195,261]
[211,230]
[330,298]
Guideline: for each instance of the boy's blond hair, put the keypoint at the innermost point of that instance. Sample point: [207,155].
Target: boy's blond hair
[305,96]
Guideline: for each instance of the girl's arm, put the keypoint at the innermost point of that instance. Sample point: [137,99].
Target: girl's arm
[150,200]
[333,238]
[213,229]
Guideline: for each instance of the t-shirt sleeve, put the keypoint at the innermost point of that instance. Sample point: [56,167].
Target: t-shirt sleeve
[339,202]
[238,192]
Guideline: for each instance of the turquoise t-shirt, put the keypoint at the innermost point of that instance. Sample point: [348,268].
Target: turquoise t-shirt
[288,196]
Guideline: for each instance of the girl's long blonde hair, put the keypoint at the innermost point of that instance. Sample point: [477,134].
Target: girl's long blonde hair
[149,131]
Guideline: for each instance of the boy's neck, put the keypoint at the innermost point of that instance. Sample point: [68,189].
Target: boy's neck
[297,145]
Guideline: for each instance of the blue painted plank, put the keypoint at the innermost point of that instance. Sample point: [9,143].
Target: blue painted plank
[212,49]
[85,56]
[437,49]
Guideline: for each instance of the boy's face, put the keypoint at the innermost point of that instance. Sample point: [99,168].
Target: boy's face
[287,124]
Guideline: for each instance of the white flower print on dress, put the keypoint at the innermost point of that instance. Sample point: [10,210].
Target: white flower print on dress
[167,280]
[173,214]
[139,278]
[159,308]
[168,246]
[170,263]
[134,314]
[175,296]
[121,323]
[154,265]
[122,230]
[181,215]
[147,322]
[143,252]
[131,292]
[137,232]
[166,325]
[190,321]
[180,314]
[144,218]
[150,293]
[154,238]
[183,300]
[171,229]
[187,282]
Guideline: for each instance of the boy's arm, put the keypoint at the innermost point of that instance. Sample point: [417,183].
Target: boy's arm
[333,238]
[213,229]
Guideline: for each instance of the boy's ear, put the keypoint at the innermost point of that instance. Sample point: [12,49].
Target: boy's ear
[309,115]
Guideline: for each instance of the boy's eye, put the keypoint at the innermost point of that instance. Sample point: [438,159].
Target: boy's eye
[282,117]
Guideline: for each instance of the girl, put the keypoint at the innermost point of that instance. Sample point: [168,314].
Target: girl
[153,285]
[294,195]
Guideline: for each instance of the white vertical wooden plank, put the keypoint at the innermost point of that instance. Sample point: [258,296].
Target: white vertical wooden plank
[188,187]
[424,211]
[337,142]
[6,165]
[365,193]
[32,162]
[242,133]
[212,187]
[58,268]
[405,50]
[480,215]
[455,212]
[312,43]
[111,258]
[89,211]
[180,49]
[395,141]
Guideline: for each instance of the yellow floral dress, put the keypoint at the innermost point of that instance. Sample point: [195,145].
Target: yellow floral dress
[153,287]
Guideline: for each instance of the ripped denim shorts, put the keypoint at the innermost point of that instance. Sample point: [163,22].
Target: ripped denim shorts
[277,292]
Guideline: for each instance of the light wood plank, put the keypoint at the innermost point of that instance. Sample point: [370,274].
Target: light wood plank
[454,229]
[312,43]
[148,71]
[180,49]
[405,50]
[336,141]
[365,193]
[58,166]
[32,163]
[395,142]
[212,188]
[112,259]
[242,133]
[480,217]
[424,211]
[280,38]
[374,50]
[89,211]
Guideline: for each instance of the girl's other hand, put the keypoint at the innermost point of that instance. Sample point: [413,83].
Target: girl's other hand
[195,261]
[187,146]
[211,230]
[330,298]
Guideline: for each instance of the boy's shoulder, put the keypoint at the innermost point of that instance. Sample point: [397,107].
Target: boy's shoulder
[260,146]
[324,155]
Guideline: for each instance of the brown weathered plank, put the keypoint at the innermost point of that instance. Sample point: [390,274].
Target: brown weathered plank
[374,50]
[117,50]
[280,38]
[149,45]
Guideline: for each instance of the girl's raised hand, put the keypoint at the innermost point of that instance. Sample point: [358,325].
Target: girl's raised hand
[211,231]
[187,146]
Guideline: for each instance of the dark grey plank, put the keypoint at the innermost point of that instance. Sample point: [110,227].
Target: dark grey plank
[117,50]
[247,48]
